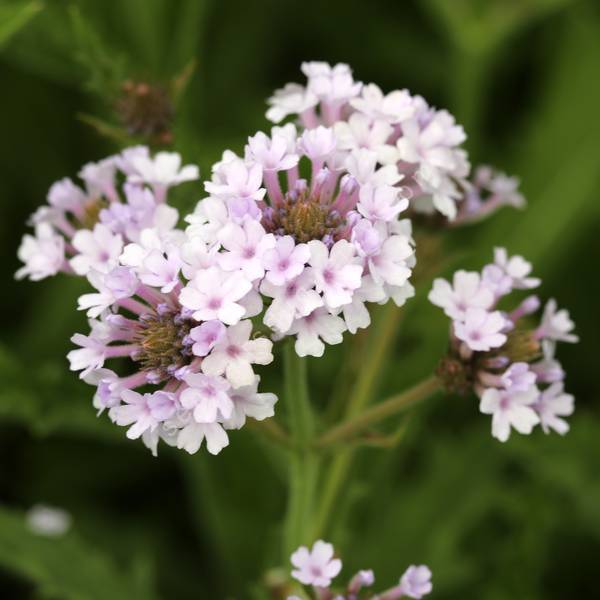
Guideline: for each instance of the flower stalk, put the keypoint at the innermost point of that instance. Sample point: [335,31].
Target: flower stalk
[273,431]
[379,340]
[397,403]
[304,463]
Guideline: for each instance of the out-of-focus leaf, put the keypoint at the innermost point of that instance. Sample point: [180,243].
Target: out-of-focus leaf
[440,497]
[188,33]
[146,28]
[216,487]
[14,16]
[180,82]
[45,48]
[47,400]
[66,568]
[104,67]
[558,156]
[476,26]
[116,134]
[477,33]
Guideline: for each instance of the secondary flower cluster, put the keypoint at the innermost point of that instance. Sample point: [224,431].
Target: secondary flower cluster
[308,225]
[317,567]
[420,144]
[189,376]
[488,191]
[84,229]
[509,364]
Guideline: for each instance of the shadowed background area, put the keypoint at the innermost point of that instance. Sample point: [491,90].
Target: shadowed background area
[494,521]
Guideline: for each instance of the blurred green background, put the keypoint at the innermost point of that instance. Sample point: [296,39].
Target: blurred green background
[519,520]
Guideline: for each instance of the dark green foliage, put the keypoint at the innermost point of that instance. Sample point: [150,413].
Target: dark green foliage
[494,521]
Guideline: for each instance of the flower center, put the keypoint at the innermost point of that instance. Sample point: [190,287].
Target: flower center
[328,276]
[91,212]
[162,343]
[233,351]
[208,391]
[521,346]
[505,403]
[305,218]
[214,303]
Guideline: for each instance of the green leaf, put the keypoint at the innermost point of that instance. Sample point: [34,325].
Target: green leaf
[107,130]
[477,27]
[104,66]
[66,568]
[48,400]
[236,502]
[188,33]
[478,33]
[145,25]
[482,514]
[14,16]
[559,153]
[180,82]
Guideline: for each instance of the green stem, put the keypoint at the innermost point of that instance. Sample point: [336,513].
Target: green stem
[303,467]
[391,406]
[379,341]
[272,430]
[469,91]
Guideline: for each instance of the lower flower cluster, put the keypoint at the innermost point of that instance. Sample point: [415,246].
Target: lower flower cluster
[180,375]
[509,363]
[191,380]
[317,567]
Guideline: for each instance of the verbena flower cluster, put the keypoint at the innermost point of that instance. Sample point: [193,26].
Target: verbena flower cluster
[299,234]
[85,228]
[316,248]
[187,375]
[313,218]
[317,567]
[408,142]
[498,353]
[294,239]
